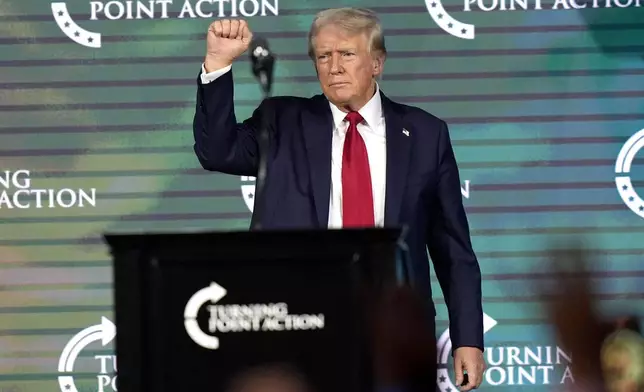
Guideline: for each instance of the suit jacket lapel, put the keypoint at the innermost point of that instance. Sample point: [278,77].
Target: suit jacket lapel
[399,141]
[317,126]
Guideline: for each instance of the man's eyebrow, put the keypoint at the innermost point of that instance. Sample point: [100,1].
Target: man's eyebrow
[345,49]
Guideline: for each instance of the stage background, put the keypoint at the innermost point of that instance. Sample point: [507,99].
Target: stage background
[539,105]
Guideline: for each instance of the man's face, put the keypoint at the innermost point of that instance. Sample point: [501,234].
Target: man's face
[345,67]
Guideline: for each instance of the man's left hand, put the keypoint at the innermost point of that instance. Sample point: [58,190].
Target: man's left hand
[470,360]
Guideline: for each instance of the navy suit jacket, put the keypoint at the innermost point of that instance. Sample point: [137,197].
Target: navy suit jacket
[423,189]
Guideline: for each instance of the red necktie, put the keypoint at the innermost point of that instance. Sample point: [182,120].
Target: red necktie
[357,193]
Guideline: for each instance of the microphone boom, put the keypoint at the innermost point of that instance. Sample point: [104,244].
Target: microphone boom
[262,63]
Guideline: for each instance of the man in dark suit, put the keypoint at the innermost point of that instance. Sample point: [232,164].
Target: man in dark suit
[350,157]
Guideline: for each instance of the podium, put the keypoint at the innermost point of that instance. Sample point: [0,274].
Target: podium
[194,311]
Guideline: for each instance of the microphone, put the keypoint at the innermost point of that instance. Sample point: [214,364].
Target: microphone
[262,63]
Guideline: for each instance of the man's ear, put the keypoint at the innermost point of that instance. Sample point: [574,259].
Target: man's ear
[378,65]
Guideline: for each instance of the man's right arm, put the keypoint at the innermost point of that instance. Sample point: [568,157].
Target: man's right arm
[221,143]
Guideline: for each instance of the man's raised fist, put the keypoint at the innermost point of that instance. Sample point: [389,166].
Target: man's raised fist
[227,40]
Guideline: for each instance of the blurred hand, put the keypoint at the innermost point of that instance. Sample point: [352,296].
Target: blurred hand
[570,308]
[226,40]
[470,360]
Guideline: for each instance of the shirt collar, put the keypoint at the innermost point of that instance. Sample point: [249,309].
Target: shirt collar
[371,112]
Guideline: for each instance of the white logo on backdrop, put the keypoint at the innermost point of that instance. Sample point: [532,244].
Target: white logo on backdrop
[248,191]
[72,30]
[258,317]
[521,364]
[446,22]
[467,31]
[157,9]
[104,332]
[622,173]
[18,192]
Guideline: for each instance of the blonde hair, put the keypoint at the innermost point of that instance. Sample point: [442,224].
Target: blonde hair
[353,21]
[630,342]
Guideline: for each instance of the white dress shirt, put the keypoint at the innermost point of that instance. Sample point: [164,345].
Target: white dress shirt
[372,130]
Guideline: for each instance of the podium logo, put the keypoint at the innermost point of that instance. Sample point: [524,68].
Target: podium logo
[241,318]
[622,173]
[16,191]
[467,31]
[509,365]
[105,332]
[156,9]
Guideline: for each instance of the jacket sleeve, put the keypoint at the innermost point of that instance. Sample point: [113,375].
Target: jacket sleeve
[221,143]
[450,248]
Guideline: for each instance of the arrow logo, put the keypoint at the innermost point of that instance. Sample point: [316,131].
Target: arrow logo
[212,293]
[622,170]
[76,33]
[104,332]
[448,23]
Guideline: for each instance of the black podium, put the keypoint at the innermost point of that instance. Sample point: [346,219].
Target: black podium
[195,310]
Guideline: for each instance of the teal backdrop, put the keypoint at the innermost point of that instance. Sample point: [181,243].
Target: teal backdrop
[540,102]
